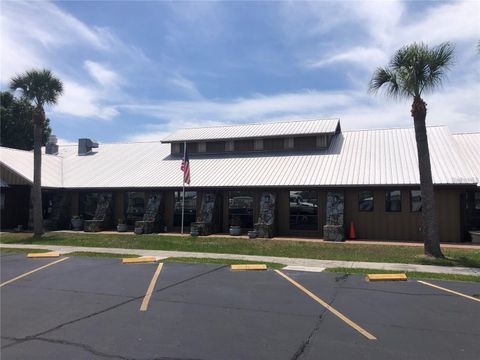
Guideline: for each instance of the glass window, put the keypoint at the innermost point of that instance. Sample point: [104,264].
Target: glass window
[273,144]
[88,205]
[135,206]
[243,145]
[305,143]
[365,201]
[415,201]
[215,146]
[477,200]
[393,201]
[2,201]
[190,212]
[303,210]
[192,147]
[240,208]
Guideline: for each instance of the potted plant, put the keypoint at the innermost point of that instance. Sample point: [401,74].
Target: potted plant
[122,225]
[77,223]
[235,228]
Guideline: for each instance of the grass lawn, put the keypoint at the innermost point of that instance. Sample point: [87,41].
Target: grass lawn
[100,255]
[420,275]
[220,261]
[21,251]
[292,249]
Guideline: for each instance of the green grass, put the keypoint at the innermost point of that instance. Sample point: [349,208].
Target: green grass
[100,255]
[220,261]
[293,249]
[21,251]
[420,275]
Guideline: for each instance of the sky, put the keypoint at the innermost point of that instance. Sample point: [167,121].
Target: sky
[136,71]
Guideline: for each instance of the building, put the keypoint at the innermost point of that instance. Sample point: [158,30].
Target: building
[302,163]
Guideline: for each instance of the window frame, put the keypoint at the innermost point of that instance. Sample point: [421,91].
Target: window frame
[359,200]
[411,201]
[387,200]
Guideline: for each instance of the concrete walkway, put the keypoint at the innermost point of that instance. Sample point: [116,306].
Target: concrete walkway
[292,263]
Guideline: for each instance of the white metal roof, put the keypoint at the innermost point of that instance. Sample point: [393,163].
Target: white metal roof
[354,158]
[286,128]
[469,145]
[21,163]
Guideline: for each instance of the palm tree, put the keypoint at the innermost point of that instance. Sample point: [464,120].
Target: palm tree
[40,87]
[413,70]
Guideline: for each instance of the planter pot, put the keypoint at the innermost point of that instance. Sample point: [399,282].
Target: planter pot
[122,227]
[235,230]
[475,237]
[194,232]
[252,234]
[77,224]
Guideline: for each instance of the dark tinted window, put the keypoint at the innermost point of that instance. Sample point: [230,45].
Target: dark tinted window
[365,201]
[393,201]
[190,212]
[415,201]
[305,143]
[273,144]
[191,148]
[243,145]
[303,210]
[240,208]
[215,146]
[135,206]
[88,205]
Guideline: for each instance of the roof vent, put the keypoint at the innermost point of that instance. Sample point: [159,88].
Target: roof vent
[85,146]
[51,146]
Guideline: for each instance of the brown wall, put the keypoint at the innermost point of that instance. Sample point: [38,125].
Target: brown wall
[404,225]
[379,224]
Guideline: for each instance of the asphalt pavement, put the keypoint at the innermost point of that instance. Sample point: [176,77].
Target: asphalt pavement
[88,308]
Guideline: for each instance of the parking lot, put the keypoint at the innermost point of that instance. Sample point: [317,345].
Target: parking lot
[89,308]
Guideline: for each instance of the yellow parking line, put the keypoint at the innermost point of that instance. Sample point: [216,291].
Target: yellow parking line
[148,295]
[448,290]
[32,271]
[328,307]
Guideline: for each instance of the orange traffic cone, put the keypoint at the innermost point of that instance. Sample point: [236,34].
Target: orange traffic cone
[352,235]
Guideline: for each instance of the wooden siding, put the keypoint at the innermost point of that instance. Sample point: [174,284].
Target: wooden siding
[375,225]
[12,178]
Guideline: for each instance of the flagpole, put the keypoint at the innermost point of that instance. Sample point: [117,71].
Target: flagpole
[183,195]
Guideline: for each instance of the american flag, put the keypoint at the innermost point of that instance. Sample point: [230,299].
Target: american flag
[186,168]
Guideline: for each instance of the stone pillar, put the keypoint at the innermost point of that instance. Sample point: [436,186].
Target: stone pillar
[333,230]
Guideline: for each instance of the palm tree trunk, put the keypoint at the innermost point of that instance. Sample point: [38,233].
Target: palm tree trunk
[37,181]
[430,224]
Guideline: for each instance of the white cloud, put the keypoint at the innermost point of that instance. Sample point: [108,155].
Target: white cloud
[185,85]
[50,34]
[362,56]
[83,101]
[101,74]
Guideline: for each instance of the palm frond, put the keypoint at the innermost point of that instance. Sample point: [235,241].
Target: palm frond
[415,68]
[38,86]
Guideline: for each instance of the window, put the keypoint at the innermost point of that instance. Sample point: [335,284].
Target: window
[192,147]
[305,143]
[134,206]
[190,212]
[365,201]
[303,210]
[215,146]
[243,145]
[240,208]
[393,201]
[272,144]
[415,201]
[477,200]
[88,205]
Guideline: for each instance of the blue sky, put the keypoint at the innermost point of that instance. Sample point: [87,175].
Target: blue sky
[135,71]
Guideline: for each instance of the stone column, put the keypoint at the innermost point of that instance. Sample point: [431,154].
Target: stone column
[333,230]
